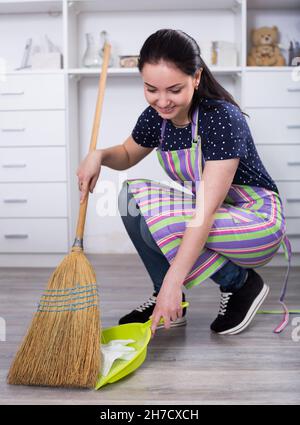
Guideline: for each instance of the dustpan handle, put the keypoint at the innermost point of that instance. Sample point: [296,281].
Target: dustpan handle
[78,243]
[149,322]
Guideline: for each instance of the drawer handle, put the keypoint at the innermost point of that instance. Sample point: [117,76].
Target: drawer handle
[293,126]
[16,236]
[293,89]
[294,163]
[20,93]
[292,200]
[14,165]
[10,130]
[15,201]
[293,235]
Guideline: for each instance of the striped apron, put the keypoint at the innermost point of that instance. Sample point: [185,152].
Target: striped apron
[248,229]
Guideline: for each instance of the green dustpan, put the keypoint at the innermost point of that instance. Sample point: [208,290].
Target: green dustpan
[141,333]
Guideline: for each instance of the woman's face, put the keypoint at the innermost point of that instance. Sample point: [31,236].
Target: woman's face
[168,90]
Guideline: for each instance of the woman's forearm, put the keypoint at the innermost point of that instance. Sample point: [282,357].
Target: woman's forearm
[115,157]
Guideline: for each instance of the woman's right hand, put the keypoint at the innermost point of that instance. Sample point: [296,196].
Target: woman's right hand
[88,173]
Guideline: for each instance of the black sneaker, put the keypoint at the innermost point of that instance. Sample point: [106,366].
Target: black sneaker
[142,313]
[237,309]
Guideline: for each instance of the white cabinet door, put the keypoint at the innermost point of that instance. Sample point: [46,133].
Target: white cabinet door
[282,162]
[38,91]
[290,196]
[32,164]
[271,125]
[293,232]
[271,89]
[32,128]
[33,200]
[36,235]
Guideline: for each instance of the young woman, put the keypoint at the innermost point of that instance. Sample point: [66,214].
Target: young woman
[229,218]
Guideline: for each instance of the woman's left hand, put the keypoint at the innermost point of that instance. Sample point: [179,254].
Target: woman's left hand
[168,305]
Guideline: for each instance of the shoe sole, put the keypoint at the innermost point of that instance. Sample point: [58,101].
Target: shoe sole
[251,313]
[179,322]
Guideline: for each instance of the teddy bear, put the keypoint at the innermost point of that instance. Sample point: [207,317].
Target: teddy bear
[265,51]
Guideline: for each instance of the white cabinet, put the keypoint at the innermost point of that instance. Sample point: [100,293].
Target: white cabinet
[271,89]
[272,100]
[33,164]
[46,115]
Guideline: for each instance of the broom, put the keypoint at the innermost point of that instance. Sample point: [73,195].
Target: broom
[62,345]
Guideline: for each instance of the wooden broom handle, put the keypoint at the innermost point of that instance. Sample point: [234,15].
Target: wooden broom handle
[93,143]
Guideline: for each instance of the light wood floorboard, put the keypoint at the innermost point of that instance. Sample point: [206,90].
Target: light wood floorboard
[187,365]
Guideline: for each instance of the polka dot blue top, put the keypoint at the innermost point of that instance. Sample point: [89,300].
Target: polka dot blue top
[224,133]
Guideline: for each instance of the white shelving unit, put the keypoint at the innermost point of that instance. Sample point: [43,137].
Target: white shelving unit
[50,125]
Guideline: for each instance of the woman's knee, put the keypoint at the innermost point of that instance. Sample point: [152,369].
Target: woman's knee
[123,199]
[147,236]
[126,202]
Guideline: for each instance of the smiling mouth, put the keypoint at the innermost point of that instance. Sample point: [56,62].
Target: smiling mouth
[167,110]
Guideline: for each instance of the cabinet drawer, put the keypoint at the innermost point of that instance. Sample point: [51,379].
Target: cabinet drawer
[32,164]
[271,89]
[293,232]
[281,162]
[295,243]
[33,200]
[29,128]
[33,235]
[290,195]
[293,227]
[270,125]
[38,91]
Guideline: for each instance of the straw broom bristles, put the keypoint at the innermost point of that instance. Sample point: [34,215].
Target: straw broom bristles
[62,345]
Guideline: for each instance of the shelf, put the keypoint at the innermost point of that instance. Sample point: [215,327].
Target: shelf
[138,5]
[34,71]
[134,71]
[273,4]
[110,71]
[118,72]
[270,68]
[33,6]
[223,70]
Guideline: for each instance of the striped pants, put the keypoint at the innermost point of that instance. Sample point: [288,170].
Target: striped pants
[230,277]
[248,227]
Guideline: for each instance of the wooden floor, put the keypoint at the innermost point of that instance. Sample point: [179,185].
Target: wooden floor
[188,365]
